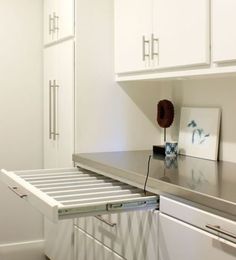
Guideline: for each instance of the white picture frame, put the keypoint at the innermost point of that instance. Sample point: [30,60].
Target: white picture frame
[199,132]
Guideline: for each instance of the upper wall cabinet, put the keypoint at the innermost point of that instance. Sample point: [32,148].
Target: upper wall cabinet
[133,27]
[224,39]
[58,20]
[181,31]
[159,34]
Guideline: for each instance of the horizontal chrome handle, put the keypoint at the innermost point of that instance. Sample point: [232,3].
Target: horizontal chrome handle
[222,231]
[15,190]
[105,221]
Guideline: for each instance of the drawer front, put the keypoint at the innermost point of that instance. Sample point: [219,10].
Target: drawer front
[207,221]
[181,241]
[133,235]
[87,248]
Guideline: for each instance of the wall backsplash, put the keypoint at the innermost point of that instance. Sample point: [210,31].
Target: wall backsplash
[217,92]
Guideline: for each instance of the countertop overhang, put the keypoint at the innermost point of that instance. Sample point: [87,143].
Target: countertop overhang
[209,183]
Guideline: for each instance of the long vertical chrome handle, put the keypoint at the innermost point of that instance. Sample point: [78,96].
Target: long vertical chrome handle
[145,42]
[50,24]
[55,105]
[50,109]
[153,41]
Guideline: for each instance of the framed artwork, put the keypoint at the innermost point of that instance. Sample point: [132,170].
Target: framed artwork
[199,132]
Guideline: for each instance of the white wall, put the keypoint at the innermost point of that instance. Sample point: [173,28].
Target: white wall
[218,92]
[20,110]
[109,116]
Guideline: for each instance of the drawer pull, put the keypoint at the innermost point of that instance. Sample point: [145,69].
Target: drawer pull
[110,224]
[145,42]
[14,189]
[218,229]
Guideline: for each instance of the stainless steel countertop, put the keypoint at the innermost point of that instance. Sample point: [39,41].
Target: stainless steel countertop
[209,183]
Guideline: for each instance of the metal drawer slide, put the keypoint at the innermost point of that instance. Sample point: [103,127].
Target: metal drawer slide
[75,192]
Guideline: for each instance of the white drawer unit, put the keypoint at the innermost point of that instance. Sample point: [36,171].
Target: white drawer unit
[75,192]
[133,235]
[205,220]
[90,249]
[187,232]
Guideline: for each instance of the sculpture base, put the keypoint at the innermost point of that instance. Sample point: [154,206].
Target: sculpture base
[158,150]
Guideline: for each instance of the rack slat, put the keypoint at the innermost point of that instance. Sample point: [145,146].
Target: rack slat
[60,193]
[77,179]
[105,199]
[93,194]
[78,186]
[55,176]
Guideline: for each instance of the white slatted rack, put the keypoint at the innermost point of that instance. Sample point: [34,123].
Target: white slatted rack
[69,193]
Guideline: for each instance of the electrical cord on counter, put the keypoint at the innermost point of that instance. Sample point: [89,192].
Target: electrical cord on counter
[148,167]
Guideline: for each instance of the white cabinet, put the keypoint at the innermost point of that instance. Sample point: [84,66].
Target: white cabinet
[59,105]
[58,20]
[132,235]
[179,241]
[91,249]
[187,231]
[159,34]
[181,29]
[223,37]
[133,27]
[49,21]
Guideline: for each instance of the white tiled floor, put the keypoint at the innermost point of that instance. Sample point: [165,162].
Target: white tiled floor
[22,252]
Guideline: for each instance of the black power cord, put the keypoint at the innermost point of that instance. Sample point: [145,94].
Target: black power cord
[148,167]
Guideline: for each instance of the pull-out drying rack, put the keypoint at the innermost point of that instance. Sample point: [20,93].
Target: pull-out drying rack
[75,192]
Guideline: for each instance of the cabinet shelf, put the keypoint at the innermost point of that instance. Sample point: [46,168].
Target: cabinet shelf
[222,71]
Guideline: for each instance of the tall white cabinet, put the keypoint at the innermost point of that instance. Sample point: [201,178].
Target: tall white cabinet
[58,20]
[59,110]
[59,104]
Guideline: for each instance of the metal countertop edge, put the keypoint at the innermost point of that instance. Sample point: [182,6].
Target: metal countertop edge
[158,187]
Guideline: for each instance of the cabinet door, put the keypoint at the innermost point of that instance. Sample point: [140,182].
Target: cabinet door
[89,248]
[59,20]
[224,38]
[50,73]
[65,19]
[179,241]
[59,105]
[182,32]
[65,103]
[133,21]
[49,12]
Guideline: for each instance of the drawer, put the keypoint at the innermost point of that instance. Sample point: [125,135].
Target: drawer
[133,235]
[202,219]
[87,248]
[75,192]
